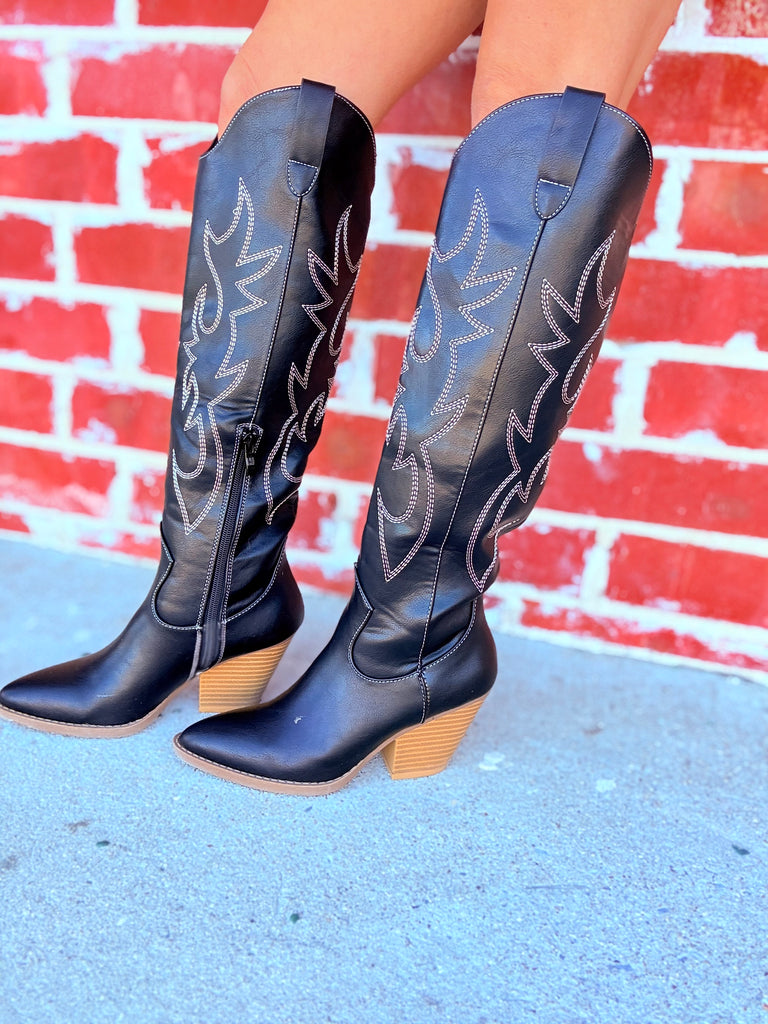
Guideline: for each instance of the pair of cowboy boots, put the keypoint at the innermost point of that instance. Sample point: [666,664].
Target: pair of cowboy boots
[530,249]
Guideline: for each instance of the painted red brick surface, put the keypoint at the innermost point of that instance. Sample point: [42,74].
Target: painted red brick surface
[160,338]
[26,248]
[80,170]
[22,89]
[237,13]
[694,580]
[167,82]
[48,330]
[133,256]
[647,486]
[548,557]
[704,99]
[126,417]
[726,208]
[27,401]
[51,480]
[170,177]
[57,12]
[594,408]
[728,402]
[663,301]
[651,534]
[738,18]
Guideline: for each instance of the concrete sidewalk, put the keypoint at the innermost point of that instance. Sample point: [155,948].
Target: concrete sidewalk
[597,851]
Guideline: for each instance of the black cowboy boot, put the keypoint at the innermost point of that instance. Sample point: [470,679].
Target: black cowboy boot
[281,211]
[531,246]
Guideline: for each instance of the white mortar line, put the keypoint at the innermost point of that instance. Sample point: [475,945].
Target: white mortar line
[716,540]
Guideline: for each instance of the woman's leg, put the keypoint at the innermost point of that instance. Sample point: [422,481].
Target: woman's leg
[603,45]
[372,53]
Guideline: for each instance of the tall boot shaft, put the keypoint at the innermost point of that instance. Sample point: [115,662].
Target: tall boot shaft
[282,205]
[281,211]
[530,248]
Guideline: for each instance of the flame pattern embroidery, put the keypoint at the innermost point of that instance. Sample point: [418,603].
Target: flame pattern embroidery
[202,417]
[449,410]
[514,485]
[335,286]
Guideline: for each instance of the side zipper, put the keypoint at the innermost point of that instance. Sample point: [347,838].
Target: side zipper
[250,438]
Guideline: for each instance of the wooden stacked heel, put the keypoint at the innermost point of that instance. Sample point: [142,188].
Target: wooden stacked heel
[239,682]
[427,749]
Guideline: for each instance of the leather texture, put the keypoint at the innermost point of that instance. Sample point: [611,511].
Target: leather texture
[530,248]
[281,212]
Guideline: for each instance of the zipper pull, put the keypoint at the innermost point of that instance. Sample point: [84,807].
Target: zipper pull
[250,437]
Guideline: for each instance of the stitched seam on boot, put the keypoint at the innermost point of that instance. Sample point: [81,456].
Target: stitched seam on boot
[481,424]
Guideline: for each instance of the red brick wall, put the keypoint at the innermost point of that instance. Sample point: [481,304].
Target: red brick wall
[652,534]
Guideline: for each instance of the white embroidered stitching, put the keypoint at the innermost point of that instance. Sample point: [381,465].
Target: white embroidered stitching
[501,279]
[296,424]
[268,258]
[520,489]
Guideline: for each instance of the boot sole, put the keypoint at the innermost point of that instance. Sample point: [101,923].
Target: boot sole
[91,731]
[234,684]
[413,753]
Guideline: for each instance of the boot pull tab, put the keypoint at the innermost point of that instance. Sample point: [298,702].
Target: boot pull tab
[313,114]
[565,148]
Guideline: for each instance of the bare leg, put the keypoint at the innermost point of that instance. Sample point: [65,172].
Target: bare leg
[372,53]
[543,46]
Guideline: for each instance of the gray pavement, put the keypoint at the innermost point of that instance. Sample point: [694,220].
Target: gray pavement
[597,851]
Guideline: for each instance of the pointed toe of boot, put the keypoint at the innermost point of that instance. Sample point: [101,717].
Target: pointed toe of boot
[43,701]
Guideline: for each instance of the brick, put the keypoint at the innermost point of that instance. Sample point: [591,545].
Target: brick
[135,419]
[693,580]
[349,447]
[234,14]
[133,256]
[47,330]
[160,336]
[27,401]
[726,208]
[417,193]
[311,530]
[704,494]
[738,18]
[389,282]
[57,12]
[177,83]
[169,180]
[594,406]
[22,89]
[309,574]
[662,301]
[704,99]
[727,401]
[52,480]
[387,364]
[646,222]
[76,170]
[108,539]
[26,248]
[439,104]
[9,521]
[548,557]
[631,634]
[148,493]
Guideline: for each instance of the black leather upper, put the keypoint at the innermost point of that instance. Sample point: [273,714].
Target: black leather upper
[281,211]
[510,316]
[530,247]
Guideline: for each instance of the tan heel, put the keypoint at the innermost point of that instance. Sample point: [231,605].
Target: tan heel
[427,749]
[239,682]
